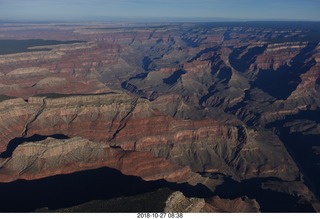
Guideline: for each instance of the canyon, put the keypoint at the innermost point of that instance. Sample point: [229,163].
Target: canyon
[225,115]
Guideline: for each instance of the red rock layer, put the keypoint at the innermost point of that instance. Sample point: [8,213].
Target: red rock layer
[51,156]
[205,145]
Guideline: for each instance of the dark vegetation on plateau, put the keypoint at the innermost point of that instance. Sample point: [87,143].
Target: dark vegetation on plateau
[17,46]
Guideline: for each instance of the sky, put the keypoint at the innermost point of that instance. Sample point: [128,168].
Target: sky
[97,10]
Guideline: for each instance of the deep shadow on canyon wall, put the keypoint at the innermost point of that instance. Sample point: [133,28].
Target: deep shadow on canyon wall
[62,191]
[302,146]
[66,191]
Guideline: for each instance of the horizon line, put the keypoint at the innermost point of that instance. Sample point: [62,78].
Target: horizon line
[151,20]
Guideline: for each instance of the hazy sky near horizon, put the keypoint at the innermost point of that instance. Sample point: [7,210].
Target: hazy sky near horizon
[73,10]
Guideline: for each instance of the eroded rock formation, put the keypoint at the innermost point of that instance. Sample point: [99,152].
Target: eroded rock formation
[195,103]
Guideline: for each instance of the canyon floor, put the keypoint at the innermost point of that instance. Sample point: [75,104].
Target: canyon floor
[160,117]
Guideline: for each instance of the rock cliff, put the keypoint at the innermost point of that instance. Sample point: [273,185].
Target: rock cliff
[203,104]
